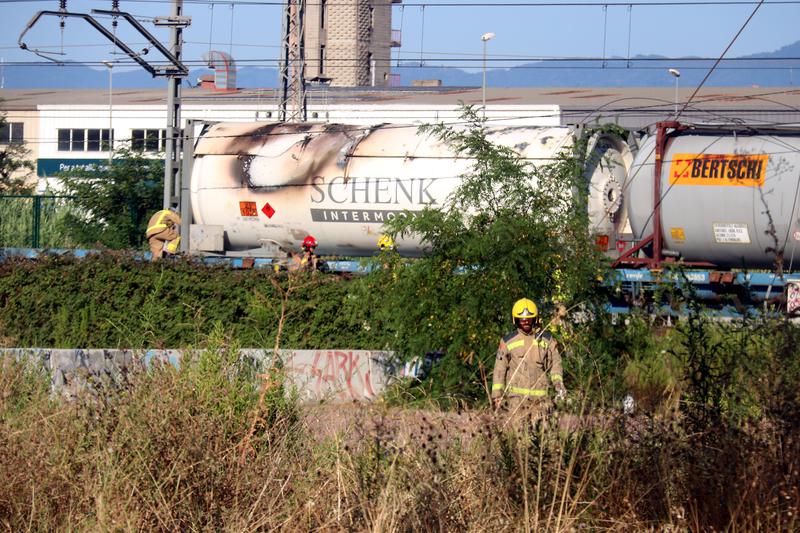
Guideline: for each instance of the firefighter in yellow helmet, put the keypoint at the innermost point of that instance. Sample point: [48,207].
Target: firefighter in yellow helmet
[162,233]
[528,362]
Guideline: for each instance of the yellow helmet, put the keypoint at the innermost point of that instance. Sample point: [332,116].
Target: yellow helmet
[385,243]
[524,308]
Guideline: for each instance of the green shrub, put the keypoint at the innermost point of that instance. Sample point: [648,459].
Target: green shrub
[113,300]
[655,382]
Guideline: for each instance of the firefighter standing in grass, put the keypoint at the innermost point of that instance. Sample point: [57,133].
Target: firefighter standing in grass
[162,233]
[527,362]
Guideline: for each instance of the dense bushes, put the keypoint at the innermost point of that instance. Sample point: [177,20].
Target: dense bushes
[112,300]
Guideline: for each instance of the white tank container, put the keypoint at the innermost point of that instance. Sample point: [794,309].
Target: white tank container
[277,183]
[718,193]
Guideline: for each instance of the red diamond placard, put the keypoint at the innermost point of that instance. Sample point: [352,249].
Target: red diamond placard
[268,210]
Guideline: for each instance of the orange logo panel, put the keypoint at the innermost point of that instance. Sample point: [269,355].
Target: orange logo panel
[718,169]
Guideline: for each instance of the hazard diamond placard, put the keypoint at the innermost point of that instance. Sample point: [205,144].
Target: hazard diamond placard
[268,210]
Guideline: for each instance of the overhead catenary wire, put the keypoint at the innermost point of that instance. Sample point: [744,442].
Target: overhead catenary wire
[721,56]
[356,128]
[605,32]
[230,40]
[484,3]
[583,115]
[210,29]
[719,117]
[405,63]
[630,28]
[422,40]
[423,5]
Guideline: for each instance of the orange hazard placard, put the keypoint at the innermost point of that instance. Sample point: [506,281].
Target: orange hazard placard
[248,209]
[718,169]
[678,235]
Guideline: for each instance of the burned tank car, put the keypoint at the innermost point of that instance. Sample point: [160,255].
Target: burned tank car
[728,197]
[277,183]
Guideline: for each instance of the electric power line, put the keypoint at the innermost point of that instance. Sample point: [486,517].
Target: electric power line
[722,55]
[527,4]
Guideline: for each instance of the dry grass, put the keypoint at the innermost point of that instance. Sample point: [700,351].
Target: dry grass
[164,452]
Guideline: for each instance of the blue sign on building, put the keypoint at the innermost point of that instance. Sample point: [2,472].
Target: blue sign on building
[53,167]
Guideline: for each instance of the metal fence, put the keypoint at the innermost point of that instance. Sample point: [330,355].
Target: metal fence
[33,221]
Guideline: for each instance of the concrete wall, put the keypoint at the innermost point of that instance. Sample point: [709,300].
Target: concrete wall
[316,375]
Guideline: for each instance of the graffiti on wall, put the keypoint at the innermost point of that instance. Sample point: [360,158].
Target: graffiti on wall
[316,375]
[338,375]
[793,297]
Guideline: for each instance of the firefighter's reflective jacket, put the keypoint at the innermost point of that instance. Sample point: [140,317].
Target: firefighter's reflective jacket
[162,233]
[163,223]
[306,261]
[523,364]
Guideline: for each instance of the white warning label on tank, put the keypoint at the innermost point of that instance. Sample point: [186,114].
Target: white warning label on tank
[731,233]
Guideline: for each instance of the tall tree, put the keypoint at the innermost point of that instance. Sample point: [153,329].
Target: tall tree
[512,229]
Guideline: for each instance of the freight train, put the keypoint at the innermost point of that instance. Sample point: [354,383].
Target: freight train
[721,199]
[724,197]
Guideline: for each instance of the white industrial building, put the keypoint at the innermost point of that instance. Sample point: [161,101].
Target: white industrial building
[68,128]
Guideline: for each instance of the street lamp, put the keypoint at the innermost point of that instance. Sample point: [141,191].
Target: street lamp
[676,74]
[486,37]
[110,66]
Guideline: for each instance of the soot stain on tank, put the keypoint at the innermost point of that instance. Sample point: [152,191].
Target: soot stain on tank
[298,234]
[238,143]
[242,143]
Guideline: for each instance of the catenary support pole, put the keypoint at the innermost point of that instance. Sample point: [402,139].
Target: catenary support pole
[172,178]
[186,176]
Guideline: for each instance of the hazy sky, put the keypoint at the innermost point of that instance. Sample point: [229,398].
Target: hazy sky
[449,31]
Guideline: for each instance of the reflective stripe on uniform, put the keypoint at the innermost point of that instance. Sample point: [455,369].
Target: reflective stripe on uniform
[556,377]
[497,386]
[527,392]
[542,343]
[515,344]
[156,228]
[159,225]
[172,246]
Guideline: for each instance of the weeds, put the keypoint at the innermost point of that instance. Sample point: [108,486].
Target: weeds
[19,226]
[163,452]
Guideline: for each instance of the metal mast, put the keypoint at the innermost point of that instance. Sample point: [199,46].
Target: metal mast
[172,163]
[292,68]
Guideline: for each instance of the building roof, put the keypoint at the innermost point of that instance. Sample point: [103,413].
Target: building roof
[629,107]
